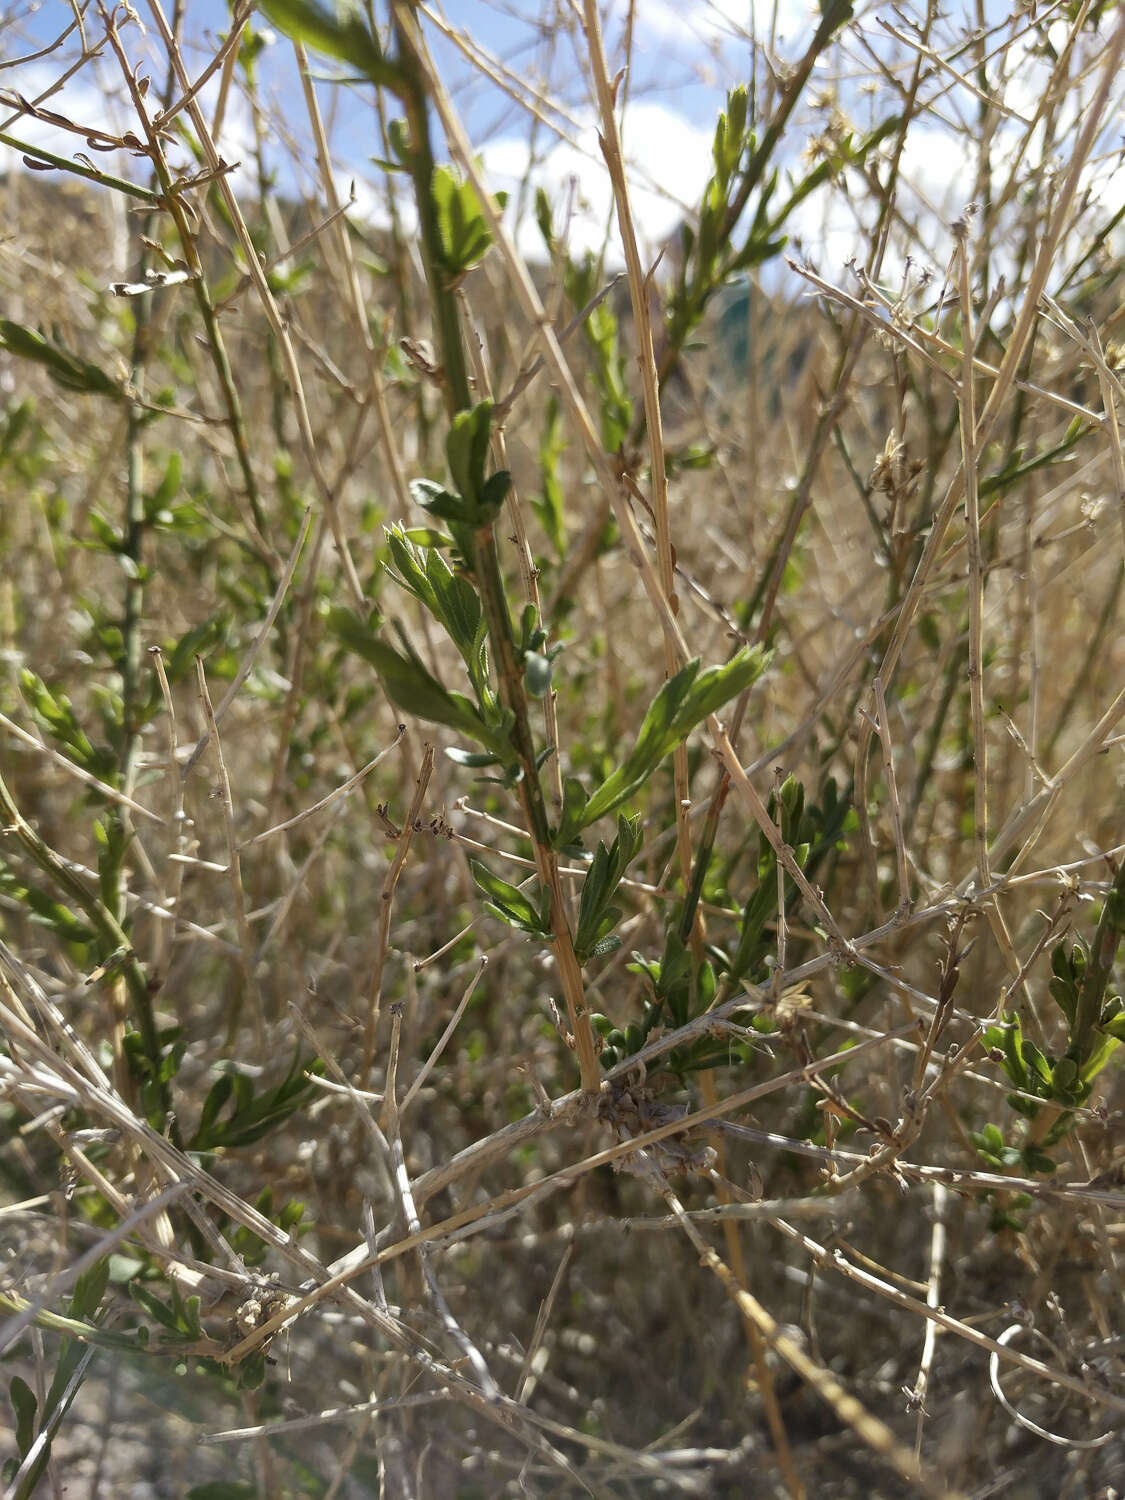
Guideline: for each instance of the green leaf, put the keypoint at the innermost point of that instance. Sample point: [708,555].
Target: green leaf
[510,904]
[57,718]
[436,500]
[596,917]
[411,687]
[89,1290]
[339,31]
[153,1306]
[200,640]
[466,450]
[1036,1160]
[657,738]
[673,988]
[600,333]
[253,1116]
[105,532]
[1036,1062]
[217,1096]
[168,488]
[549,504]
[25,1406]
[45,910]
[464,231]
[1009,1038]
[573,811]
[1112,1021]
[682,703]
[450,597]
[1064,1075]
[990,1147]
[67,368]
[759,909]
[191,1309]
[1068,971]
[730,135]
[493,493]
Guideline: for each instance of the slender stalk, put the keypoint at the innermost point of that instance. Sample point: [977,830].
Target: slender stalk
[646,358]
[112,935]
[485,560]
[386,908]
[38,155]
[216,344]
[269,305]
[969,453]
[1103,954]
[874,1433]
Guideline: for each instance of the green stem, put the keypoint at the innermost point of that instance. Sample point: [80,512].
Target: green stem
[64,164]
[1103,952]
[105,924]
[73,1328]
[484,560]
[456,386]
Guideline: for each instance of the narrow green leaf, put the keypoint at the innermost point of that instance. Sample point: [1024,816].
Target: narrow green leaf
[509,903]
[596,917]
[89,1290]
[1036,1160]
[191,1317]
[436,500]
[25,1406]
[69,369]
[154,1307]
[58,719]
[465,233]
[549,504]
[217,1096]
[466,450]
[573,812]
[682,703]
[493,493]
[339,31]
[449,597]
[500,890]
[410,686]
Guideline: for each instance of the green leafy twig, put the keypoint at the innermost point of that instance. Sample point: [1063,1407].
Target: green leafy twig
[34,155]
[480,497]
[684,701]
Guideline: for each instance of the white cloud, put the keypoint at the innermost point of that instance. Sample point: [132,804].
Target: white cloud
[371,201]
[707,24]
[667,162]
[95,99]
[88,100]
[833,226]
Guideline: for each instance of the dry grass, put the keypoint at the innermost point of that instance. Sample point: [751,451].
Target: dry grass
[799,1228]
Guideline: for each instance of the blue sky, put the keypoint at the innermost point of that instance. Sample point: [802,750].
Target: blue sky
[681,67]
[686,54]
[673,56]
